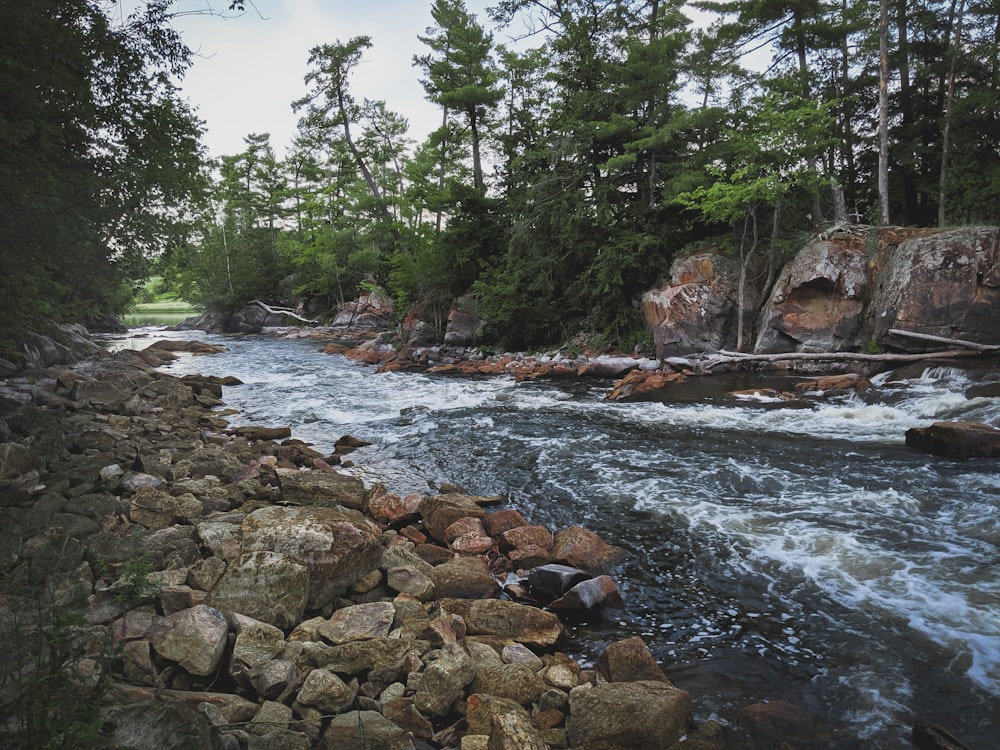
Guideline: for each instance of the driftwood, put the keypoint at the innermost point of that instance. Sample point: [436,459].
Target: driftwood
[832,356]
[282,311]
[943,340]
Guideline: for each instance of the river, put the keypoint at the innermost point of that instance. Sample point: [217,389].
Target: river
[776,552]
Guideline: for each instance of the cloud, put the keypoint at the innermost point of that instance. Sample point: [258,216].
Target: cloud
[248,70]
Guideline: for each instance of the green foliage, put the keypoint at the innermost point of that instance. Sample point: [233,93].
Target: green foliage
[99,154]
[54,673]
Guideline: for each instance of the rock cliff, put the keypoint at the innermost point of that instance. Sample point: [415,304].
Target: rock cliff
[843,292]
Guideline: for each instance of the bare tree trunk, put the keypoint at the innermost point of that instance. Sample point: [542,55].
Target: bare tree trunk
[746,254]
[954,52]
[883,113]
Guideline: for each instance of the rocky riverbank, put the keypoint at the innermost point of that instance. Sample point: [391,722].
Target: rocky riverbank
[233,589]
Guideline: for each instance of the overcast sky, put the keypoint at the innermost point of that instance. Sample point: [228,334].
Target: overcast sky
[248,70]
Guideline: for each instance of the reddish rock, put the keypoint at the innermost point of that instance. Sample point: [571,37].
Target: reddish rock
[523,536]
[503,520]
[463,527]
[441,511]
[629,661]
[696,310]
[817,303]
[581,548]
[639,382]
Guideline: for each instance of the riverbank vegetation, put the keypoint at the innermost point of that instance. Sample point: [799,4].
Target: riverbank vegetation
[571,165]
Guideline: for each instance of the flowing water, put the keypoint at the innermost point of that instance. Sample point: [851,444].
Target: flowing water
[778,551]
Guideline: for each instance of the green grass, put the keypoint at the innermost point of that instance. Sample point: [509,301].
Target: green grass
[162,312]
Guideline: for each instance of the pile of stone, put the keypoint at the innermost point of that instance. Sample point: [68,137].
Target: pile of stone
[258,598]
[284,604]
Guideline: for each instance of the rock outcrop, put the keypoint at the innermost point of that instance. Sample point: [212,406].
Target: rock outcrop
[696,310]
[841,293]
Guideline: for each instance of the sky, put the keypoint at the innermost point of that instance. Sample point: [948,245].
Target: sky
[247,70]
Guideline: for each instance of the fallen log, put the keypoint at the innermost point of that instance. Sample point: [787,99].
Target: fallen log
[727,356]
[944,340]
[283,311]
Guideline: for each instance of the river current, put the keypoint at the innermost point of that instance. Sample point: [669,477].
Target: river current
[776,551]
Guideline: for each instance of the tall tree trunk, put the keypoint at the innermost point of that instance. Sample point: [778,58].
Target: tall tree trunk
[905,162]
[363,166]
[954,52]
[477,161]
[883,113]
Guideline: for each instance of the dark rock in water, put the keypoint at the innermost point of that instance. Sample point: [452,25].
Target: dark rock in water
[956,440]
[590,596]
[780,723]
[554,580]
[932,737]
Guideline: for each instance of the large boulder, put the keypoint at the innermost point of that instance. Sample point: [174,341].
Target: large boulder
[267,586]
[195,638]
[696,310]
[337,546]
[367,312]
[463,327]
[817,304]
[956,439]
[943,284]
[619,715]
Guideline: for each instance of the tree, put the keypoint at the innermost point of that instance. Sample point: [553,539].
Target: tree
[99,156]
[460,76]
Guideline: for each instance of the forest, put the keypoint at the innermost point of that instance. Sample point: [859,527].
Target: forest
[568,171]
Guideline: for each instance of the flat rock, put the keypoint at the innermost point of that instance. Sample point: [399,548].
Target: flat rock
[268,586]
[647,714]
[358,622]
[195,638]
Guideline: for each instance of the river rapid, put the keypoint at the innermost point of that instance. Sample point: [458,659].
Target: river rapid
[776,551]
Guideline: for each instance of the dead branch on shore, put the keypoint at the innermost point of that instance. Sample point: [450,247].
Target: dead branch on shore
[727,356]
[944,340]
[282,311]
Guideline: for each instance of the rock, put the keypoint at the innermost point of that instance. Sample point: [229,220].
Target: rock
[271,678]
[553,580]
[272,716]
[464,578]
[525,536]
[518,653]
[622,715]
[268,586]
[780,722]
[590,596]
[358,622]
[161,725]
[254,433]
[322,488]
[401,712]
[516,682]
[817,304]
[444,680]
[337,546]
[629,661]
[640,383]
[327,692]
[463,328]
[18,473]
[956,440]
[943,284]
[516,622]
[500,521]
[504,723]
[441,511]
[356,657]
[696,310]
[407,579]
[194,638]
[367,312]
[581,548]
[365,730]
[387,507]
[933,737]
[256,642]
